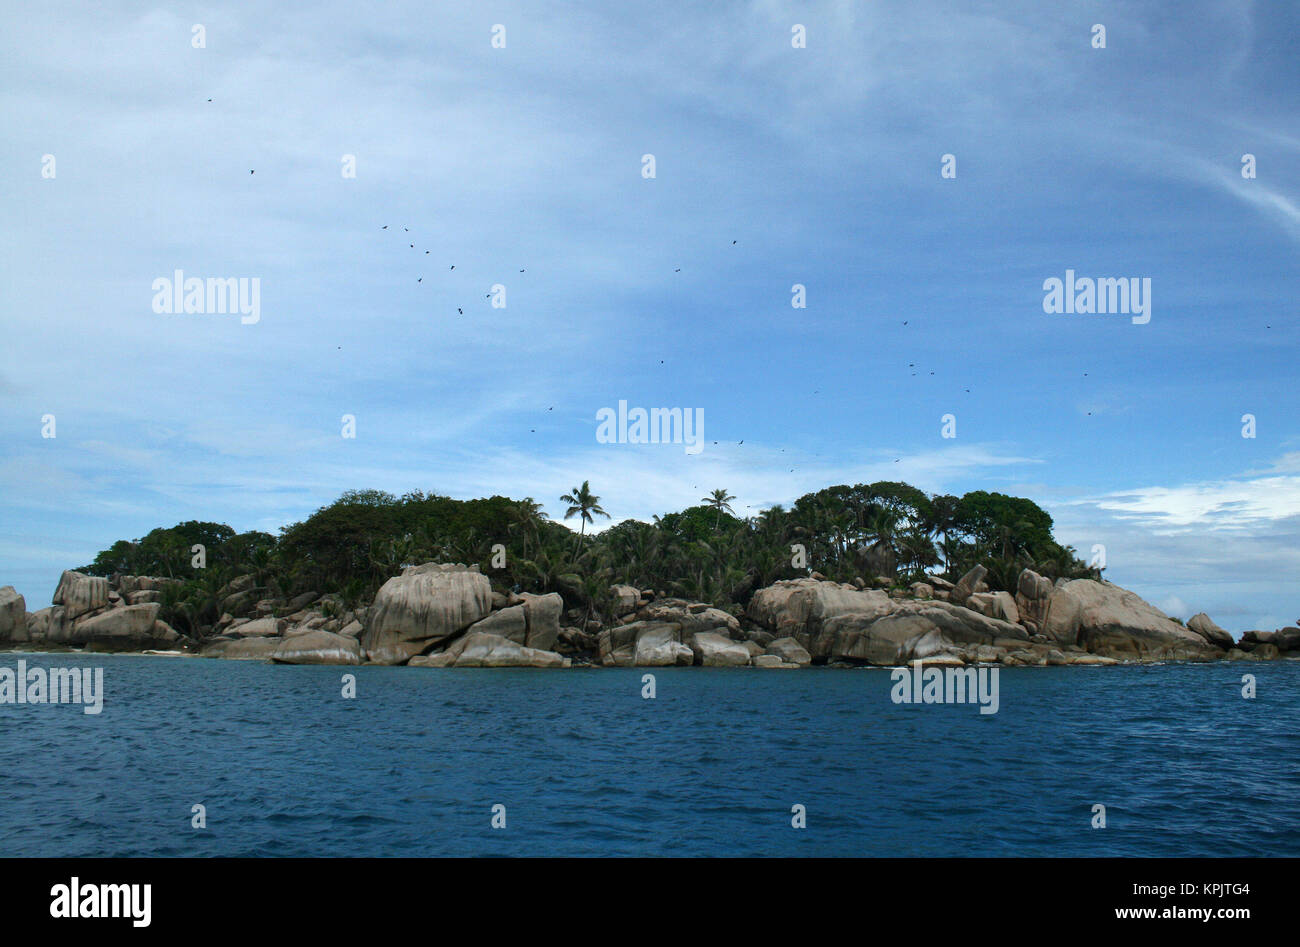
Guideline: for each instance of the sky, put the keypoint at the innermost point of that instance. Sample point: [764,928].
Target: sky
[522,166]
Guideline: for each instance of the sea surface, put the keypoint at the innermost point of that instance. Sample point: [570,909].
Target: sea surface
[413,766]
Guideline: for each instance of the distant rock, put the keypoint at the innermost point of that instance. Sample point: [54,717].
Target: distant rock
[659,645]
[694,617]
[715,650]
[625,599]
[799,608]
[967,585]
[1207,629]
[999,605]
[129,628]
[317,647]
[510,622]
[1287,639]
[790,651]
[13,615]
[257,628]
[243,649]
[481,649]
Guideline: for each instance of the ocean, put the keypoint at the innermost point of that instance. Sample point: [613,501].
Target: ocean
[283,765]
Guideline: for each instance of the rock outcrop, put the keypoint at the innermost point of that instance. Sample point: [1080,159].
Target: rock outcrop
[80,594]
[1105,619]
[13,615]
[715,650]
[317,646]
[1204,626]
[423,608]
[241,649]
[483,649]
[543,615]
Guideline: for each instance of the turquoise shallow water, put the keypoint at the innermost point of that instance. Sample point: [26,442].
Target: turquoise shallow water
[712,766]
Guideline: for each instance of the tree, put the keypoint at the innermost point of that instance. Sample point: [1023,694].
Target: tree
[584,504]
[719,500]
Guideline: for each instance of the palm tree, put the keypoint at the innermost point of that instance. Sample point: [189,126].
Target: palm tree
[585,505]
[525,515]
[720,500]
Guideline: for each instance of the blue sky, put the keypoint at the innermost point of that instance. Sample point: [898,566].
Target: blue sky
[821,164]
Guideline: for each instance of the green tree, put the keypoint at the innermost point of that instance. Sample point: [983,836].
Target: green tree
[583,504]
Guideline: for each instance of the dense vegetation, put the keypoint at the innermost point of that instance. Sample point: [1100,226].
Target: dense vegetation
[704,553]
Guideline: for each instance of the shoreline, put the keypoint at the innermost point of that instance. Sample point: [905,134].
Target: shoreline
[451,615]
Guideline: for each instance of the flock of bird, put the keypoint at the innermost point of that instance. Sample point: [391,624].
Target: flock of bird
[461,311]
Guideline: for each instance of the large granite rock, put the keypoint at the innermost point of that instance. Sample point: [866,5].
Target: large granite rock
[894,638]
[1032,594]
[79,594]
[1204,626]
[13,615]
[625,599]
[482,649]
[798,608]
[510,622]
[715,650]
[837,622]
[129,628]
[999,605]
[422,608]
[659,645]
[257,628]
[48,624]
[317,647]
[1105,619]
[241,649]
[1287,639]
[968,585]
[694,617]
[543,615]
[790,651]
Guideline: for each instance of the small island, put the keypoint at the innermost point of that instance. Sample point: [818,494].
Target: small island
[875,574]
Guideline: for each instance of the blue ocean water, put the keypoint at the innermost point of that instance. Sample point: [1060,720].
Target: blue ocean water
[712,766]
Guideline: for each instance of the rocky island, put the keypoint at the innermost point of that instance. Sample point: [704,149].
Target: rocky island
[447,615]
[441,614]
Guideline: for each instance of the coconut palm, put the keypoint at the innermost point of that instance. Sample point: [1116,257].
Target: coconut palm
[585,505]
[720,500]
